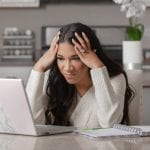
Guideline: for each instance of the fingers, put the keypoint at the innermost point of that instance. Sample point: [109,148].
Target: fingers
[54,44]
[83,43]
[55,39]
[79,52]
[86,39]
[81,40]
[78,46]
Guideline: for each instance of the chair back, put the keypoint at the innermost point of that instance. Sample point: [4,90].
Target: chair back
[135,78]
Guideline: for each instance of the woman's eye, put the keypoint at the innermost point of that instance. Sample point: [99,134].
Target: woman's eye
[76,58]
[59,58]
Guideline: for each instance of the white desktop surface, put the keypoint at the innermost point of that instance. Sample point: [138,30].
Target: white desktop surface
[71,142]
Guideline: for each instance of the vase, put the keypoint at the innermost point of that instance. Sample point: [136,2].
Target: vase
[132,55]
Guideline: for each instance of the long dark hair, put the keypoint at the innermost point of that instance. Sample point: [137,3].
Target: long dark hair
[63,95]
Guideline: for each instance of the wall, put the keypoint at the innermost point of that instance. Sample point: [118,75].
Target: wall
[34,18]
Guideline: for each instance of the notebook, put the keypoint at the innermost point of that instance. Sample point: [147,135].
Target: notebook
[118,130]
[141,130]
[15,112]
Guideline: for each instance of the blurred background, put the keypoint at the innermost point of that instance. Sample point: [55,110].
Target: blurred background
[27,27]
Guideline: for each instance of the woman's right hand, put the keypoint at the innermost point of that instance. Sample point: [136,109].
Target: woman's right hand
[44,63]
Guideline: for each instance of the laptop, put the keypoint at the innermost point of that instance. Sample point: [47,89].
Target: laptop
[16,115]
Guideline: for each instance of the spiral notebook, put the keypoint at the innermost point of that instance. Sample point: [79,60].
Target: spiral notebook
[118,130]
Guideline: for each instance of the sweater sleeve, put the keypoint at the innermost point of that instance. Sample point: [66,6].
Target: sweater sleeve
[109,95]
[35,89]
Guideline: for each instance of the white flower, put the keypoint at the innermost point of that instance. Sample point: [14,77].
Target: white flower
[118,1]
[132,8]
[121,1]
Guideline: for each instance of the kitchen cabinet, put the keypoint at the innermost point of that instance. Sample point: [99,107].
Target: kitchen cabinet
[18,47]
[19,3]
[18,44]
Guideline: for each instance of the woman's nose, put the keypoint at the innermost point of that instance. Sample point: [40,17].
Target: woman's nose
[68,66]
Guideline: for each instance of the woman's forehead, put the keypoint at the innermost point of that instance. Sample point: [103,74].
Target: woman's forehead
[66,48]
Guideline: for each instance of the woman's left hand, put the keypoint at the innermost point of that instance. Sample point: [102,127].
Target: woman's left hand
[83,49]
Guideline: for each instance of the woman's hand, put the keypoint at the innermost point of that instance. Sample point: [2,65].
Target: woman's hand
[44,63]
[83,49]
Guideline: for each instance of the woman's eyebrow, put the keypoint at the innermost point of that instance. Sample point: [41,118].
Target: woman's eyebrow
[59,55]
[74,56]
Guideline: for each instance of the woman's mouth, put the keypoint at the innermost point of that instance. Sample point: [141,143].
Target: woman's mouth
[69,75]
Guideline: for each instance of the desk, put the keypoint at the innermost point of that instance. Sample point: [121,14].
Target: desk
[71,142]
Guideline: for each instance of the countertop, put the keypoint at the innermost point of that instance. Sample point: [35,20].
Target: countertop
[71,142]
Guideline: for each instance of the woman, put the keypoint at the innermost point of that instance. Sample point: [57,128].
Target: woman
[85,88]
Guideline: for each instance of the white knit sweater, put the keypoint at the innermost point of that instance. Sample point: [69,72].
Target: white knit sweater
[100,107]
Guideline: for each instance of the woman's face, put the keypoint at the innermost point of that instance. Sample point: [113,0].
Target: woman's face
[70,65]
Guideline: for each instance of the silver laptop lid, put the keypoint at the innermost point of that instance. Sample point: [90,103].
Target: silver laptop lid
[15,112]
